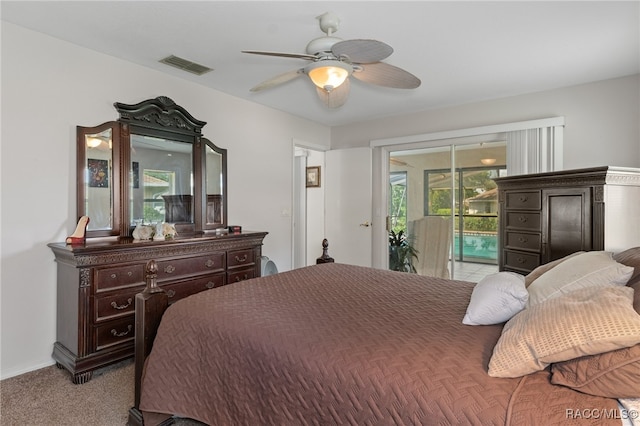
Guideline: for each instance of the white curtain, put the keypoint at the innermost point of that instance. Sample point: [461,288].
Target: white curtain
[534,150]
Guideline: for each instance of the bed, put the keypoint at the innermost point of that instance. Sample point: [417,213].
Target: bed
[342,344]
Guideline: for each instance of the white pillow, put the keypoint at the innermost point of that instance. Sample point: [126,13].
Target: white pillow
[496,298]
[588,269]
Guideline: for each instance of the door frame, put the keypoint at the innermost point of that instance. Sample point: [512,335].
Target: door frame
[299,201]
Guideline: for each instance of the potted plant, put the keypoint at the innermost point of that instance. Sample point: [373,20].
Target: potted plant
[401,253]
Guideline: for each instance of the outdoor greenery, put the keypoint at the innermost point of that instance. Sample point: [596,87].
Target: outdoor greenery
[152,215]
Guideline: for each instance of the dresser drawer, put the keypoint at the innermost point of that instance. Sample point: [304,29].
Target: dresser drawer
[241,275]
[115,305]
[240,258]
[183,289]
[121,276]
[523,220]
[115,332]
[174,268]
[523,241]
[520,261]
[523,200]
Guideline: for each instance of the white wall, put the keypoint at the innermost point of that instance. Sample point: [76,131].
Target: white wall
[601,121]
[49,87]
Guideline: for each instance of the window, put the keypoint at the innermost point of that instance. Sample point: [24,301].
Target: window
[156,184]
[398,201]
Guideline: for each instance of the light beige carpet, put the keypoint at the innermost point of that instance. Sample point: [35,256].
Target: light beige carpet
[47,397]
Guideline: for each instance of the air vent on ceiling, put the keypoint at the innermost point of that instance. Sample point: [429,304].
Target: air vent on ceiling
[185,65]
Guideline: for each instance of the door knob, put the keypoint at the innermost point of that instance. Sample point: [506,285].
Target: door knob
[366,224]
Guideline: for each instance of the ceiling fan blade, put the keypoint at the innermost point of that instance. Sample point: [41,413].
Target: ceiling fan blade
[362,51]
[386,75]
[337,97]
[283,55]
[277,80]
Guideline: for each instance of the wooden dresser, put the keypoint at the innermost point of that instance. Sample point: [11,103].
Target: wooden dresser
[98,281]
[547,216]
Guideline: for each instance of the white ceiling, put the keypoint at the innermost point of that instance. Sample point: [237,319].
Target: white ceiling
[462,51]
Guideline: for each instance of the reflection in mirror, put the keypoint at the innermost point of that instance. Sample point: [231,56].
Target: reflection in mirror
[98,180]
[214,185]
[161,182]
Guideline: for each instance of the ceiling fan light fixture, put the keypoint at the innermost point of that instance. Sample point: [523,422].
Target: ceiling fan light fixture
[93,142]
[328,74]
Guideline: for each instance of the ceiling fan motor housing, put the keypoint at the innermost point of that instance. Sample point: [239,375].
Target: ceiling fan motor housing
[322,45]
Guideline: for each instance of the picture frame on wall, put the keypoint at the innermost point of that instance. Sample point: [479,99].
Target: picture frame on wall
[313,177]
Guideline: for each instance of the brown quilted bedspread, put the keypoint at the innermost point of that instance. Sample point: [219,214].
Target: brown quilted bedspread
[340,344]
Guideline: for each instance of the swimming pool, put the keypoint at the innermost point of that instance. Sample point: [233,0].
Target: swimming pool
[482,247]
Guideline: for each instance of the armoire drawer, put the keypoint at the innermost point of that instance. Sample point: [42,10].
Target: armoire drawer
[183,289]
[115,305]
[119,276]
[523,220]
[241,275]
[520,260]
[523,200]
[523,240]
[239,258]
[115,332]
[174,268]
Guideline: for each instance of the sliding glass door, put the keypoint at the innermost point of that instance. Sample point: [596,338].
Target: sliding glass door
[449,187]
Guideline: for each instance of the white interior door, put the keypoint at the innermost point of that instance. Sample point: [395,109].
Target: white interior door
[299,210]
[348,205]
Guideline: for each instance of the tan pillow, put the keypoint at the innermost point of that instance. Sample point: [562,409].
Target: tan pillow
[537,273]
[588,269]
[584,322]
[636,299]
[614,374]
[630,257]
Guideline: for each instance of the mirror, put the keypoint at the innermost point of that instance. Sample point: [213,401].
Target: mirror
[98,179]
[150,166]
[161,182]
[216,172]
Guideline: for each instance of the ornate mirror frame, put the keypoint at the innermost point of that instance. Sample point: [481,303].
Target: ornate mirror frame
[107,175]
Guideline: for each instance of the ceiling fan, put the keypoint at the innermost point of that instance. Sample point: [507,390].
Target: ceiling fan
[333,61]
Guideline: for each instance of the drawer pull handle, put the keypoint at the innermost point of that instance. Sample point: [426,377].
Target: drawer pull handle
[169,269]
[242,259]
[210,284]
[522,239]
[523,198]
[129,273]
[114,276]
[521,260]
[171,293]
[115,333]
[210,263]
[238,278]
[120,307]
[522,219]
